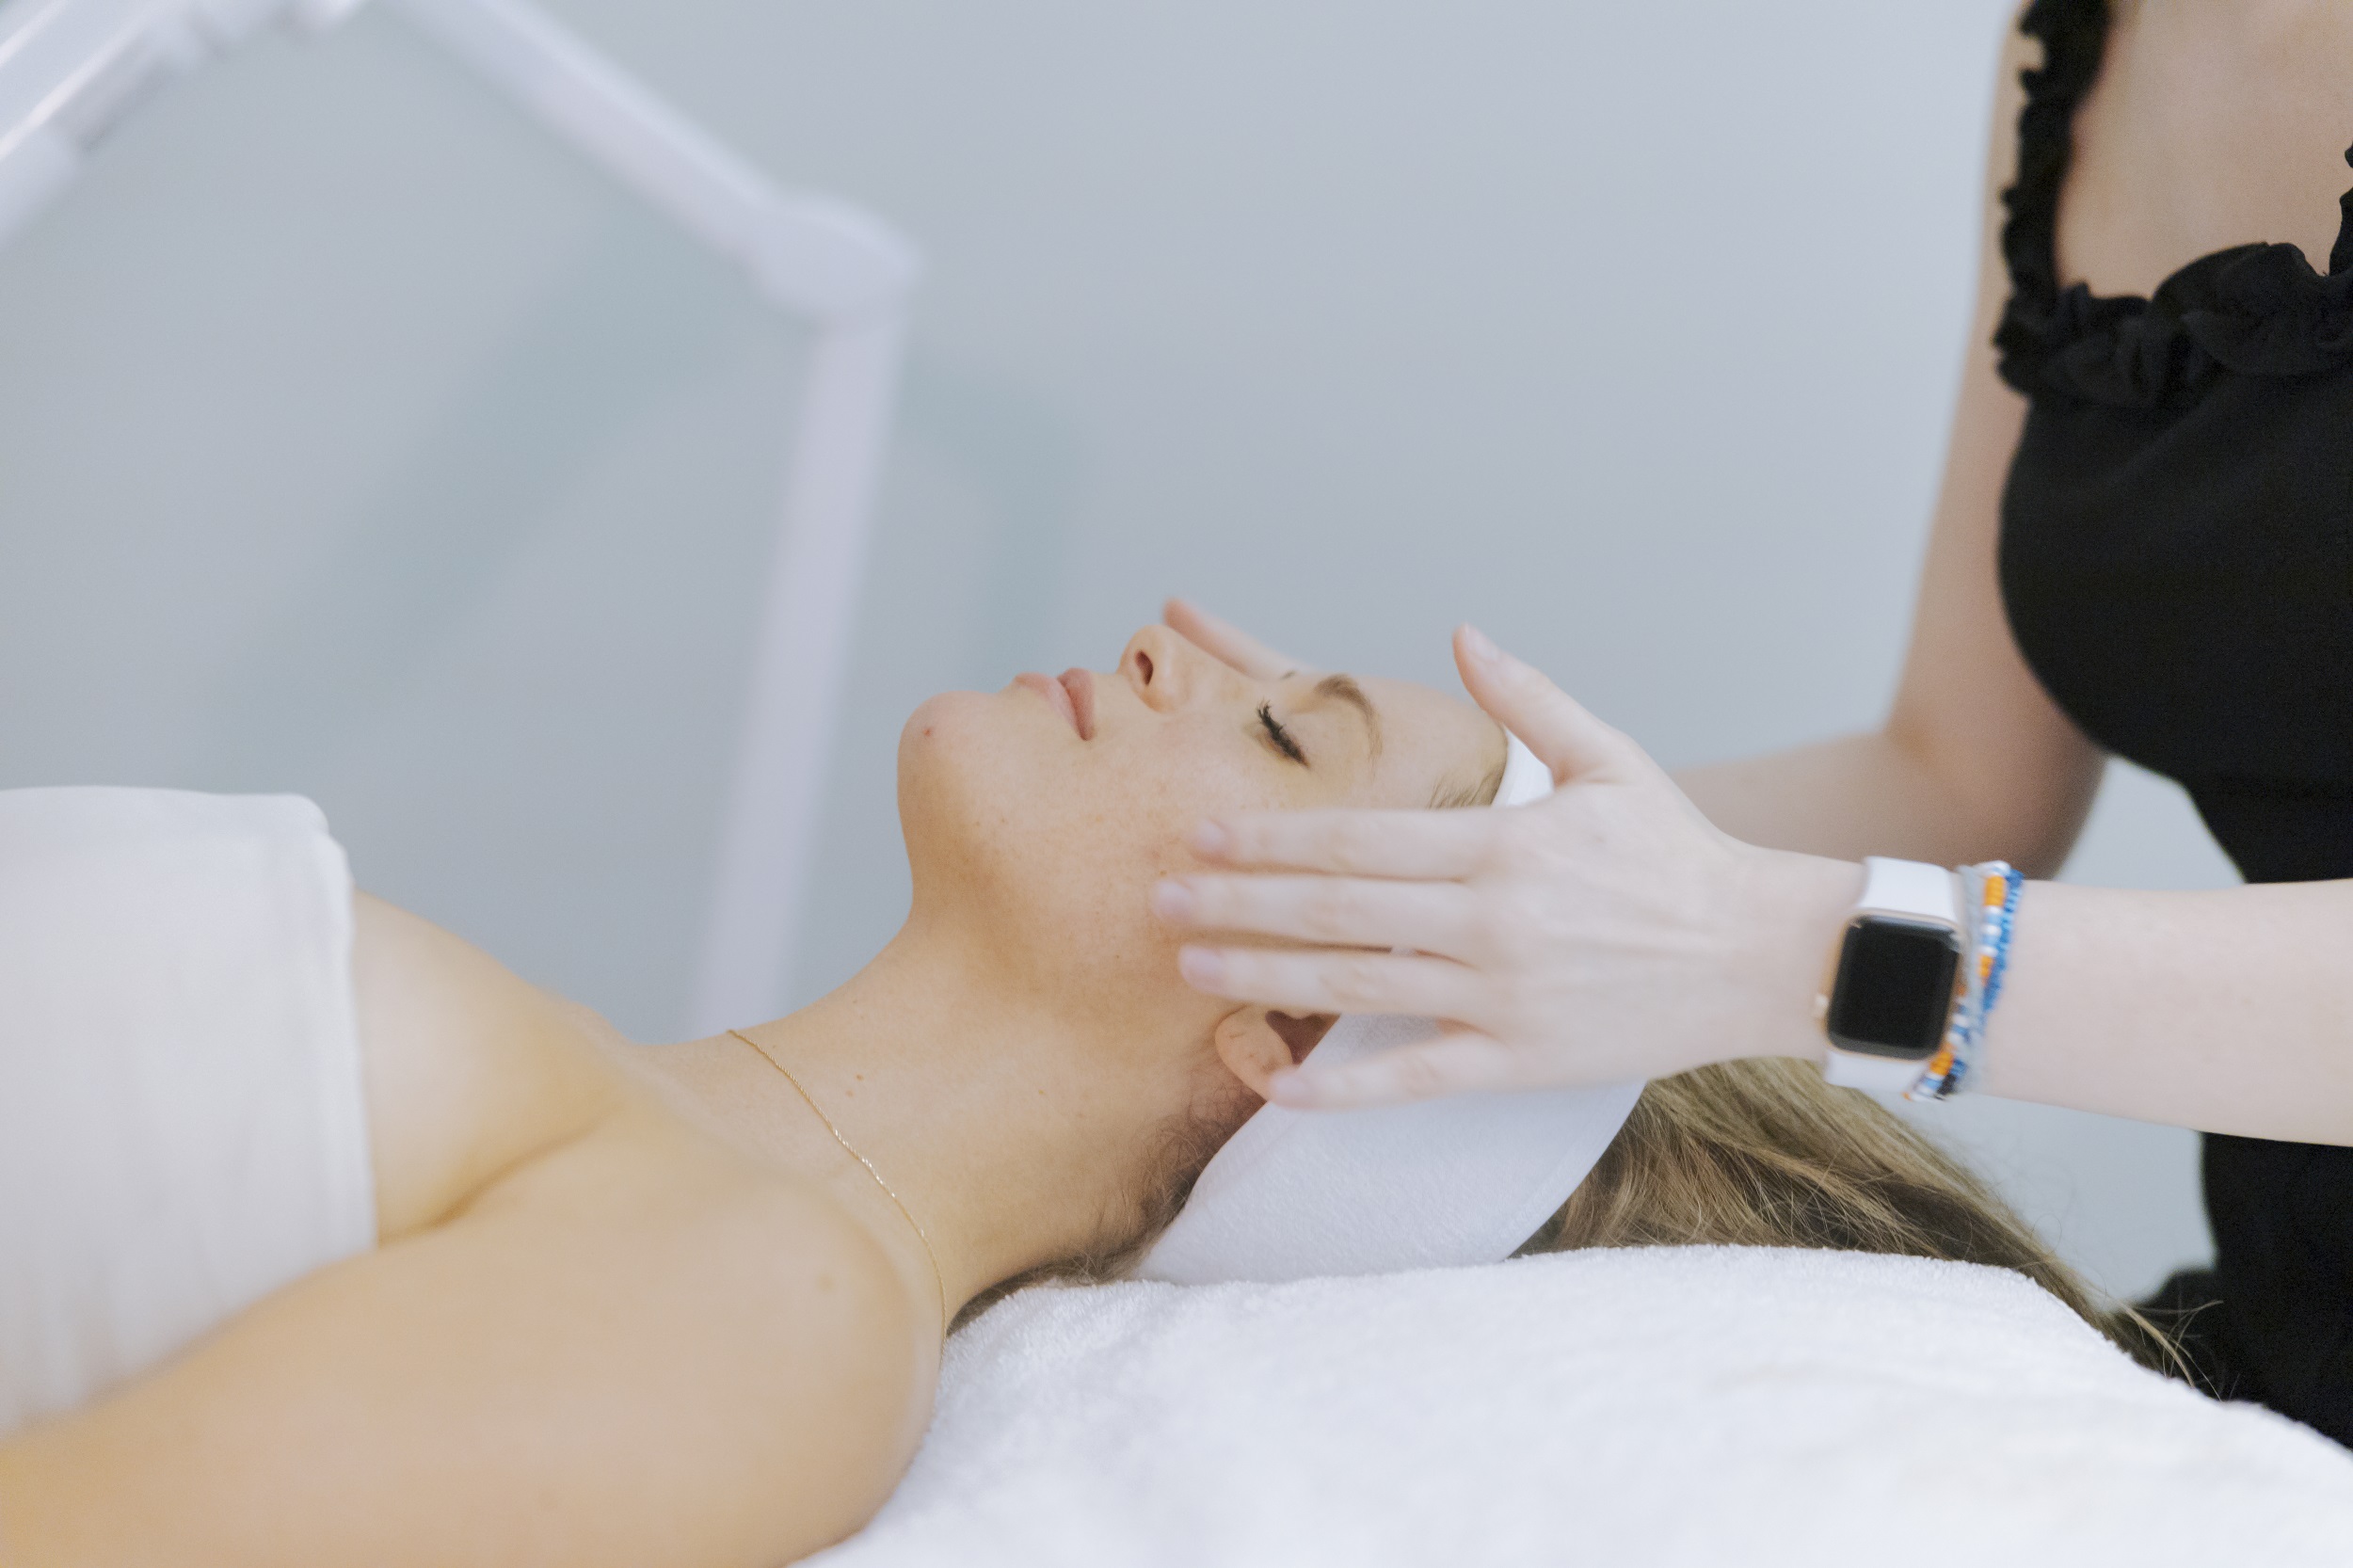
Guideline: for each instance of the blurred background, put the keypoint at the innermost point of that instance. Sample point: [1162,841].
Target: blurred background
[356,439]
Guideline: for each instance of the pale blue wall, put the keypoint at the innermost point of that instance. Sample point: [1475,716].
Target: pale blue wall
[354,440]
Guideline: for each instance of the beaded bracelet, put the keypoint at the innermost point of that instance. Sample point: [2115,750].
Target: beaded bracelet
[1998,884]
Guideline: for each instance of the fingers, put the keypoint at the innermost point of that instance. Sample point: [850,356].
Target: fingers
[1227,643]
[1567,739]
[1427,845]
[1439,917]
[1459,1062]
[1328,981]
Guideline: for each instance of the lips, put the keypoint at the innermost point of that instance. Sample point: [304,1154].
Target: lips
[1079,686]
[1057,696]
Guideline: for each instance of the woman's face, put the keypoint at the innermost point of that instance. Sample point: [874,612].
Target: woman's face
[1039,817]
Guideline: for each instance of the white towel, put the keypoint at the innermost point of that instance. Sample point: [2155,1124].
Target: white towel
[1298,1195]
[1690,1408]
[181,1120]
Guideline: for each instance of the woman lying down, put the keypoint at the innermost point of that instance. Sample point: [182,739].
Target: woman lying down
[457,1275]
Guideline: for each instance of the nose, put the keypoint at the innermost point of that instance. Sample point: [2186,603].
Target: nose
[1166,671]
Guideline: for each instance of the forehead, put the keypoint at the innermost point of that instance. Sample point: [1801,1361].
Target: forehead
[1430,742]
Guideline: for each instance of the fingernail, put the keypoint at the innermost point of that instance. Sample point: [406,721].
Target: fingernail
[1479,645]
[1201,966]
[1212,839]
[1174,901]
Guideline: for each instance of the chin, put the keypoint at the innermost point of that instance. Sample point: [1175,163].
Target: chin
[940,727]
[963,747]
[937,747]
[969,796]
[1005,838]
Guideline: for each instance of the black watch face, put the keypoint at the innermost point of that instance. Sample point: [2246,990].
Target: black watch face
[1895,988]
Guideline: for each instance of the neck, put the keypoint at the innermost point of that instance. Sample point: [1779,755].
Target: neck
[973,1106]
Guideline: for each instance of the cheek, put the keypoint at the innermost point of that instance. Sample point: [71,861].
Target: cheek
[1052,852]
[1127,815]
[1080,863]
[1141,813]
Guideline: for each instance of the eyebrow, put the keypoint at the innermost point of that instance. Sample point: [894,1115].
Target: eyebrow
[1344,689]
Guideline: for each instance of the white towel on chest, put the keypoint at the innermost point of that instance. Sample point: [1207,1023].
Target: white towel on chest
[1692,1407]
[182,1122]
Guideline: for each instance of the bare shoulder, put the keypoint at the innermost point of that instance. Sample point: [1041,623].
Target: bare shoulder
[639,1348]
[470,1069]
[772,1260]
[767,1331]
[2019,52]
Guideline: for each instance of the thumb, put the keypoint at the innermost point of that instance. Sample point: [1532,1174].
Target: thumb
[1565,737]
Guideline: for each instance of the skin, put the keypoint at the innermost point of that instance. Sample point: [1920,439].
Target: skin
[636,1305]
[1661,923]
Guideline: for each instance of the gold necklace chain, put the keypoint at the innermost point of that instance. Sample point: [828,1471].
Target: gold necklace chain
[938,1280]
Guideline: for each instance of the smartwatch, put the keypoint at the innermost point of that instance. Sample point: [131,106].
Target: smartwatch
[1896,982]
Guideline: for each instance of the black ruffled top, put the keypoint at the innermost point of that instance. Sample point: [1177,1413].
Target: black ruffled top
[2253,309]
[2176,561]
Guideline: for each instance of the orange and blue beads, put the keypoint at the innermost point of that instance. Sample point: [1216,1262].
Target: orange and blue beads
[1998,884]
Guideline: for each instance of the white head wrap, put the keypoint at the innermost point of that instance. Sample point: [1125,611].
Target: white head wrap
[1467,1181]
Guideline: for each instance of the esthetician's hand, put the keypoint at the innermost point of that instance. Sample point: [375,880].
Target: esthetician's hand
[1227,642]
[1608,934]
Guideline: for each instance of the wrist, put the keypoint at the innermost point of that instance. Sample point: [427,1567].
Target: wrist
[1794,908]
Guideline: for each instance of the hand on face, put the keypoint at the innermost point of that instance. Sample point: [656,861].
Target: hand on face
[1601,935]
[1226,641]
[1038,817]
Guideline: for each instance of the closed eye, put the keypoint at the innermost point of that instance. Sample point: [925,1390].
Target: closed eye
[1278,736]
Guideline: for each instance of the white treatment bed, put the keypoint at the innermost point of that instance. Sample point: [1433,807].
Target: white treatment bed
[1634,1409]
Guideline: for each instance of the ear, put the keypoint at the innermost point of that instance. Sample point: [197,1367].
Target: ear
[1255,1043]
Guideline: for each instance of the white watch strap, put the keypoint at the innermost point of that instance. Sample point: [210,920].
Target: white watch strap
[1911,887]
[1879,1075]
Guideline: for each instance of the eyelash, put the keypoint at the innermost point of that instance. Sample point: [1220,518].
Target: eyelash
[1280,736]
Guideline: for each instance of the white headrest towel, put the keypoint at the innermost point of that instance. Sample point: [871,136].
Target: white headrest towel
[1466,1180]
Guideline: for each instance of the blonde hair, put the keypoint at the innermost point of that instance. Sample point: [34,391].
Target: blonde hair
[1762,1153]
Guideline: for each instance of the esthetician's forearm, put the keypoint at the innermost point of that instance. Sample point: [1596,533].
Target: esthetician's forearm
[2226,1012]
[1975,761]
[1866,794]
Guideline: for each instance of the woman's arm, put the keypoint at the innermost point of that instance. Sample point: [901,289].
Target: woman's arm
[1975,762]
[633,1353]
[1611,933]
[2226,1012]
